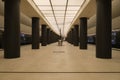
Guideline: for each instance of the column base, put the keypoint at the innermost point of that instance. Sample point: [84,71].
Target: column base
[11,57]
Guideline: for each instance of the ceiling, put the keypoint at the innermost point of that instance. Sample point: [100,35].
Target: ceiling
[30,10]
[59,13]
[88,11]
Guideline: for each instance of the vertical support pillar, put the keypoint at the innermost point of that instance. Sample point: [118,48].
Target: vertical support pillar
[48,34]
[72,36]
[103,29]
[12,29]
[35,33]
[68,37]
[76,35]
[44,35]
[83,33]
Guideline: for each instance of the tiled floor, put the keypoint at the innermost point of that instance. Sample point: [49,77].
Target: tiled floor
[55,62]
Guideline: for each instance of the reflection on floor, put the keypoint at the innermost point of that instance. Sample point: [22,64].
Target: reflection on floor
[55,62]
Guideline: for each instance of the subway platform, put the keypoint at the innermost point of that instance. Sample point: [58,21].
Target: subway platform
[53,62]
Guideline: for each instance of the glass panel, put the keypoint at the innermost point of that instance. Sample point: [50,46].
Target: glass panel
[59,2]
[60,19]
[72,12]
[42,2]
[59,15]
[75,2]
[50,15]
[47,12]
[73,8]
[45,8]
[68,20]
[51,20]
[59,11]
[70,15]
[59,8]
[60,22]
[66,25]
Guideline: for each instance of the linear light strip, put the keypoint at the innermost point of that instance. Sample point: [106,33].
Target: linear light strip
[54,14]
[61,16]
[44,16]
[41,12]
[58,10]
[60,5]
[65,15]
[60,13]
[76,15]
[78,11]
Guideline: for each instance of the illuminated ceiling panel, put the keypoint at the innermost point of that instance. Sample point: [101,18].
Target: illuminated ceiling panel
[42,2]
[58,2]
[59,13]
[59,8]
[47,8]
[75,2]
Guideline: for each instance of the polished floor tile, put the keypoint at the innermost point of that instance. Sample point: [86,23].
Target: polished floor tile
[67,62]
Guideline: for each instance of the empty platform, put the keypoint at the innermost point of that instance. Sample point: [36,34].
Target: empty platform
[53,62]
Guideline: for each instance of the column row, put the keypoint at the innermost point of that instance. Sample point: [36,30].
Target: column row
[12,31]
[76,38]
[48,36]
[103,31]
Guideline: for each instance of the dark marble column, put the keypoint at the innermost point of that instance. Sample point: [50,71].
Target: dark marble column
[103,29]
[44,35]
[35,33]
[71,36]
[83,33]
[48,35]
[12,29]
[76,35]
